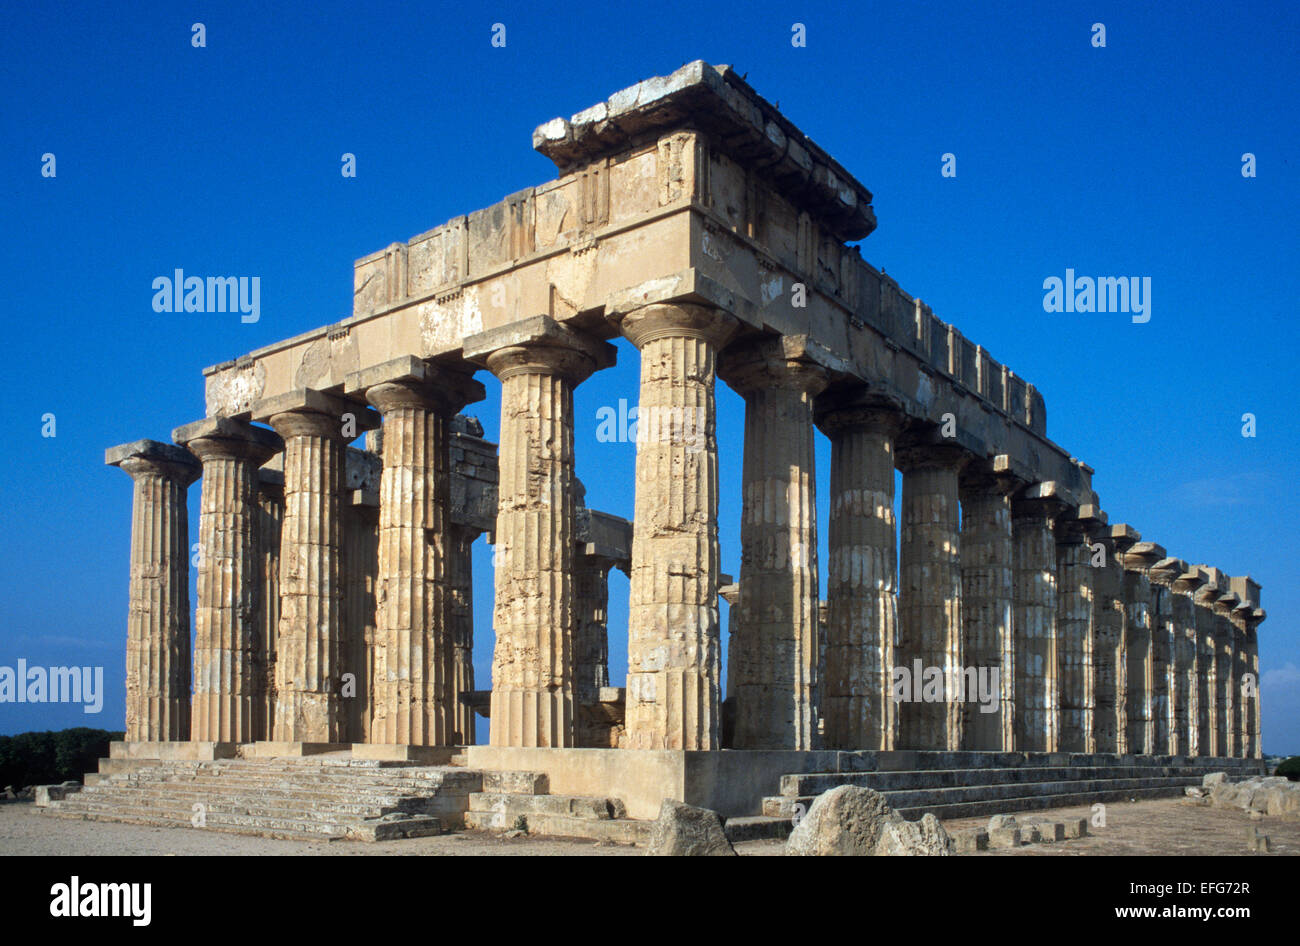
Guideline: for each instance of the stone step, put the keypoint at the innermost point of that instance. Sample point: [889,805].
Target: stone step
[617,830]
[982,809]
[516,783]
[926,799]
[287,829]
[757,828]
[461,780]
[817,782]
[584,807]
[315,807]
[240,806]
[304,790]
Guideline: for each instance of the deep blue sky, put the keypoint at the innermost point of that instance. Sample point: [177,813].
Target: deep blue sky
[225,160]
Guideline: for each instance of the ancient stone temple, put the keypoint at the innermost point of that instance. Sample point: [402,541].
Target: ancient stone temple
[340,488]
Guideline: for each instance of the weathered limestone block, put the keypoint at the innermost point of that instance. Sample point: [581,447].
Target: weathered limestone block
[415,702]
[158,622]
[1225,682]
[929,619]
[1187,676]
[673,634]
[1035,619]
[858,822]
[1139,643]
[227,685]
[862,598]
[539,363]
[776,664]
[987,603]
[686,831]
[308,646]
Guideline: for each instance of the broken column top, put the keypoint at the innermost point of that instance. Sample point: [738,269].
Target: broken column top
[744,125]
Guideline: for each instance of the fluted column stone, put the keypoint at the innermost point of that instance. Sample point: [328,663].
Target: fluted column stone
[270,516]
[862,581]
[1140,642]
[158,616]
[673,633]
[776,665]
[929,607]
[1110,652]
[538,363]
[315,427]
[987,603]
[1209,739]
[1076,630]
[1037,683]
[227,686]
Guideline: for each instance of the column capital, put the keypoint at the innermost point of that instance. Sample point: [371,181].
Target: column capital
[227,437]
[676,319]
[1002,474]
[1046,499]
[1081,524]
[842,409]
[1190,581]
[145,457]
[790,362]
[1141,556]
[412,382]
[308,412]
[1167,571]
[539,345]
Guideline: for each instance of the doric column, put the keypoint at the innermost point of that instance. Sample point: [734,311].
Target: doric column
[539,363]
[777,667]
[158,619]
[1076,630]
[1138,638]
[1226,681]
[1253,620]
[1208,690]
[1034,511]
[1189,667]
[227,688]
[929,607]
[1163,697]
[314,426]
[415,698]
[673,645]
[862,585]
[987,600]
[1110,652]
[270,517]
[461,625]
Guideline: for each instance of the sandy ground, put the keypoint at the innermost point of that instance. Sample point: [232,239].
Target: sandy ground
[1163,826]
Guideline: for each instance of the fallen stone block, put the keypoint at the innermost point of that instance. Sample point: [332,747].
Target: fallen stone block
[1214,778]
[685,831]
[1076,828]
[1001,821]
[971,840]
[48,793]
[858,822]
[1001,838]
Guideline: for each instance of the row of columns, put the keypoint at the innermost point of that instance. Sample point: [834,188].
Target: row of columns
[1110,651]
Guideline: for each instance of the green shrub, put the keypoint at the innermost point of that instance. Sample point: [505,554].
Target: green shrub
[1290,768]
[43,758]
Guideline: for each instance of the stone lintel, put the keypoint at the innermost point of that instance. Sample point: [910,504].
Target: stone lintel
[686,287]
[416,371]
[730,593]
[311,401]
[715,100]
[240,435]
[606,536]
